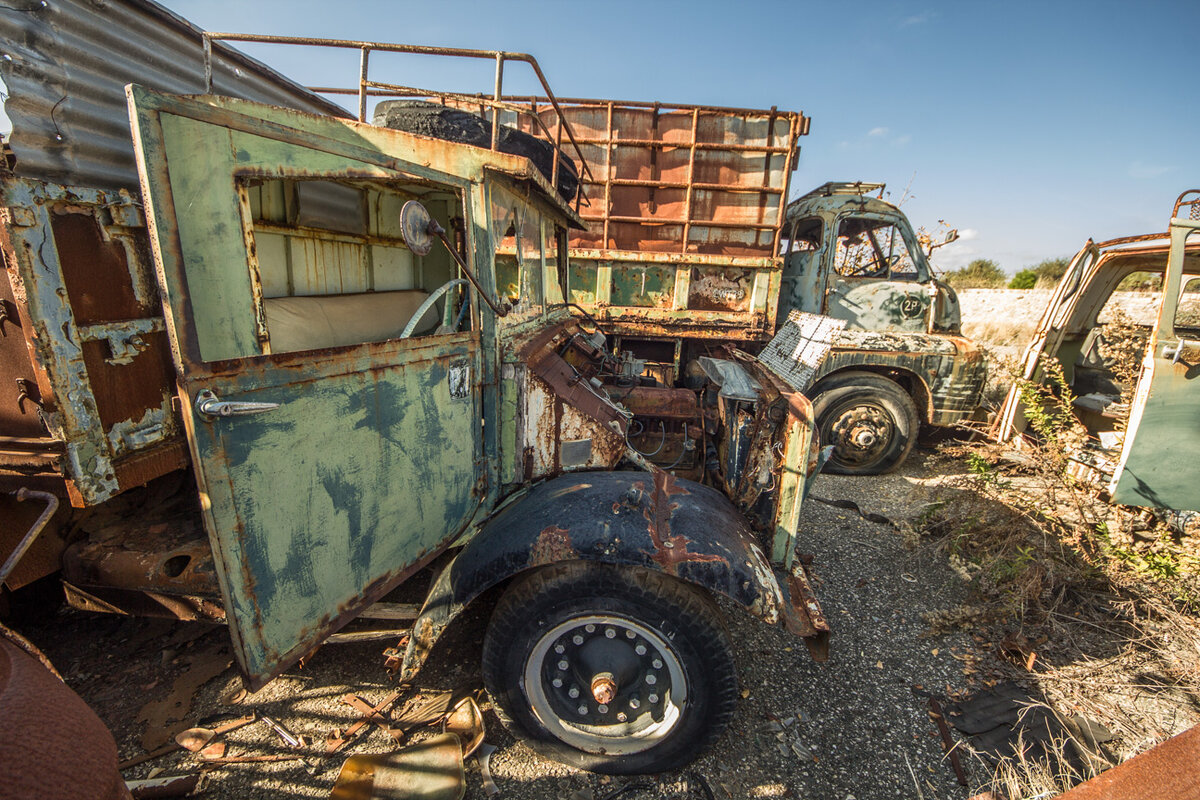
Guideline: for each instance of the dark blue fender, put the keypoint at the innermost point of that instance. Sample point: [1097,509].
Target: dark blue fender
[650,520]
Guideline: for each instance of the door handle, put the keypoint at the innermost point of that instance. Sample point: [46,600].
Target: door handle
[1176,353]
[211,406]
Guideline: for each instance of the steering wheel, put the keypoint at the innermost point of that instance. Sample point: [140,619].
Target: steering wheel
[423,309]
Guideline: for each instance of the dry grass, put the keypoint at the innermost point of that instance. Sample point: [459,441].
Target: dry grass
[1097,606]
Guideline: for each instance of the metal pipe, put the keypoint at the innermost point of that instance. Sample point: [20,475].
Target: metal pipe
[436,229]
[496,98]
[414,50]
[208,67]
[362,84]
[19,551]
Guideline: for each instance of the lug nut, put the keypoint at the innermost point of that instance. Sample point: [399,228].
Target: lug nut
[577,639]
[650,679]
[621,717]
[582,711]
[573,692]
[629,634]
[602,708]
[634,703]
[640,649]
[556,683]
[563,665]
[590,628]
[609,633]
[653,699]
[558,648]
[656,663]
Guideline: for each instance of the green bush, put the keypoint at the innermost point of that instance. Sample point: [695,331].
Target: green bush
[1025,279]
[982,273]
[1049,272]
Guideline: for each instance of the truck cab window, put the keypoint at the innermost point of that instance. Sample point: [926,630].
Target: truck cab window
[332,266]
[805,235]
[873,248]
[517,233]
[1187,313]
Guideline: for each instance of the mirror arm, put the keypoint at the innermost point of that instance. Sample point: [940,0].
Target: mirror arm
[440,232]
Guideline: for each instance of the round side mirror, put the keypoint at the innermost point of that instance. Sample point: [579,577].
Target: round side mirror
[417,227]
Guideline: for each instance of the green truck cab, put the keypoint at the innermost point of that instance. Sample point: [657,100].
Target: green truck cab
[276,375]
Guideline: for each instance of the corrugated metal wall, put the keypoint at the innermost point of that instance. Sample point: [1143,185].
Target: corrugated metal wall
[66,64]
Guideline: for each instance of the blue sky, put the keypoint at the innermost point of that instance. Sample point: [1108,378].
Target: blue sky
[1028,126]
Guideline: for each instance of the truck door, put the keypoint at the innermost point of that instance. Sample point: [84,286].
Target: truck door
[875,283]
[1158,466]
[1048,335]
[334,456]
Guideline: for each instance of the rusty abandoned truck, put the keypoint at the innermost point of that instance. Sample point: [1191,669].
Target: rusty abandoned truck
[1131,381]
[691,244]
[262,370]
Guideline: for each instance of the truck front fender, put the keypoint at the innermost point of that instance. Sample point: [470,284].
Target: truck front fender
[648,520]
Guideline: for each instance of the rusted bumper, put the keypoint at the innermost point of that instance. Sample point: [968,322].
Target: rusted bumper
[802,614]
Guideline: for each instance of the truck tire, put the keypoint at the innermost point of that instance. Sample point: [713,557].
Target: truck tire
[871,422]
[611,669]
[456,125]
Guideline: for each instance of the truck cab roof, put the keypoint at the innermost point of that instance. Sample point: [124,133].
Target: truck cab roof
[835,195]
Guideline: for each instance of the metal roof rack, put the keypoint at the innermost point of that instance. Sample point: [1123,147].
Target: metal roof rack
[843,187]
[369,88]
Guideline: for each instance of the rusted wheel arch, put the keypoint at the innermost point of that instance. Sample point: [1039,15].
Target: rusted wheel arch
[912,383]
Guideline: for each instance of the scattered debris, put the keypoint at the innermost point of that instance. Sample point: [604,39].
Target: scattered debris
[338,739]
[169,786]
[466,721]
[935,713]
[1005,722]
[484,756]
[224,727]
[194,739]
[290,739]
[164,718]
[430,770]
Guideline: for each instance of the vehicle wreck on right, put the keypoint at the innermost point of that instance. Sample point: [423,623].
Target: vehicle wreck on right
[1131,380]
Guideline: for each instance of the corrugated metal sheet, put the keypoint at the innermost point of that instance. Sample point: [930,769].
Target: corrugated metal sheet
[66,64]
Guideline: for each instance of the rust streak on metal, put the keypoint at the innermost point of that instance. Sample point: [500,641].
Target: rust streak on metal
[670,550]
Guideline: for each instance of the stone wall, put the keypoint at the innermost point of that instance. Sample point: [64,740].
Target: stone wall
[1009,316]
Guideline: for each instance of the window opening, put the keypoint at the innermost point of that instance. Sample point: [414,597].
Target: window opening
[333,267]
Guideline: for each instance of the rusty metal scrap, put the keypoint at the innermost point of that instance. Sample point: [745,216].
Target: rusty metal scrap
[1170,771]
[338,739]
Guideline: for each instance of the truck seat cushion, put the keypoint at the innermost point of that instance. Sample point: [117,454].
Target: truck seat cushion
[310,323]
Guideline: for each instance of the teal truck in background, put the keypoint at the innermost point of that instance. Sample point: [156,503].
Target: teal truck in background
[265,366]
[691,244]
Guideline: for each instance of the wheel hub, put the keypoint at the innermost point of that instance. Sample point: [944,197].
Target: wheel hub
[862,434]
[604,688]
[606,684]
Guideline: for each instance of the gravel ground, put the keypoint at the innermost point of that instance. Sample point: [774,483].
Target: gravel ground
[856,726]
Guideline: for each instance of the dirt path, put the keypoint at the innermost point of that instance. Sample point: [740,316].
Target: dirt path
[856,726]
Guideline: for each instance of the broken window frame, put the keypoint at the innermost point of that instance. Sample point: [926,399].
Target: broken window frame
[919,272]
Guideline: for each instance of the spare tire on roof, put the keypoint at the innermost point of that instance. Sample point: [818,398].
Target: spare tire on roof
[456,125]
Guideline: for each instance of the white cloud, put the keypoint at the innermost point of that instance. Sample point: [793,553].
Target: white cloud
[900,141]
[877,132]
[917,19]
[1141,170]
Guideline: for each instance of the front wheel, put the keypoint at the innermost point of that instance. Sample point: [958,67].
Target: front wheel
[611,669]
[871,422]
